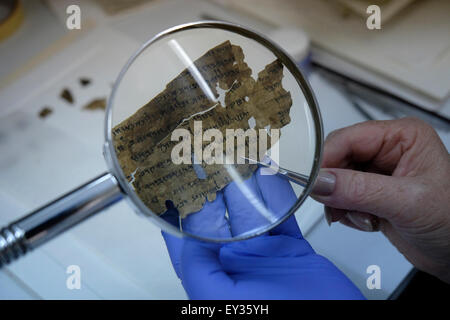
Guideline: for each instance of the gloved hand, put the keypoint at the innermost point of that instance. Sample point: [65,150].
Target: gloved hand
[277,265]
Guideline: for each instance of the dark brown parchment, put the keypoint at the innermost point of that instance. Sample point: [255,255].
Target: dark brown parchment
[143,141]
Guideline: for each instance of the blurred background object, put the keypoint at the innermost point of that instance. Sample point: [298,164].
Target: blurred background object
[11,17]
[409,56]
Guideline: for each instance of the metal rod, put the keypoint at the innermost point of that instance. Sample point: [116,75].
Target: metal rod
[58,216]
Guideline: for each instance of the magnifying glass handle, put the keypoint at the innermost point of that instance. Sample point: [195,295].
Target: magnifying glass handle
[56,217]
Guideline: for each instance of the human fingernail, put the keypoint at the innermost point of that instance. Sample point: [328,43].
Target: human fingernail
[325,183]
[364,221]
[328,217]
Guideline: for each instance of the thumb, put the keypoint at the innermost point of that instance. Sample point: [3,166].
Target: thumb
[203,276]
[384,196]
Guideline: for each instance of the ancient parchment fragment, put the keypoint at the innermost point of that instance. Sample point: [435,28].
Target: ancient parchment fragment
[96,104]
[144,144]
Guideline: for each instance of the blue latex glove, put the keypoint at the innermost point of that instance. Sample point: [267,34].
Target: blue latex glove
[277,265]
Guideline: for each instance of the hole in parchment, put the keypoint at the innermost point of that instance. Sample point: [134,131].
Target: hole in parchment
[251,122]
[221,93]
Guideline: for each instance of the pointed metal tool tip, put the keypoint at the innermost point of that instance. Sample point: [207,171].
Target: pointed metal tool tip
[256,161]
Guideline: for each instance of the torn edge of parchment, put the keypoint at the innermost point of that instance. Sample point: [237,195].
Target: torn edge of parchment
[143,141]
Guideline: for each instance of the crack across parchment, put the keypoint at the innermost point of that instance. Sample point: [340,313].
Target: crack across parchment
[143,141]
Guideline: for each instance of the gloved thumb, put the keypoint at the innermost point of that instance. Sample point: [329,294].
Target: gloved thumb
[380,195]
[203,276]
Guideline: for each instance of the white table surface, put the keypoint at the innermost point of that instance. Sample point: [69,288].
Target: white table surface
[120,254]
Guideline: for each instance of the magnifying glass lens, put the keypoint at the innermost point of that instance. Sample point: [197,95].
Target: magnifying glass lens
[188,112]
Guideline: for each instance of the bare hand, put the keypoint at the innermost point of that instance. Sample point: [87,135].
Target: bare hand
[392,176]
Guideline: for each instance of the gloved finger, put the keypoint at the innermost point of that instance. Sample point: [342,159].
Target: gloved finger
[171,216]
[174,244]
[279,198]
[364,221]
[203,274]
[246,208]
[289,228]
[210,221]
[174,247]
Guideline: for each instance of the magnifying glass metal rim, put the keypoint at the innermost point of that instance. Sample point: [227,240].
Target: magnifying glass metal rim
[116,170]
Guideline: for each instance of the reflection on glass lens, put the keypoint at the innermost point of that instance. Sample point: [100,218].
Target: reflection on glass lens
[191,117]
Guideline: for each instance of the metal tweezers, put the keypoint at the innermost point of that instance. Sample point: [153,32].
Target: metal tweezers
[293,176]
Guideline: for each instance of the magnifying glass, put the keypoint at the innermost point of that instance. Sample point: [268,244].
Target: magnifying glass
[190,116]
